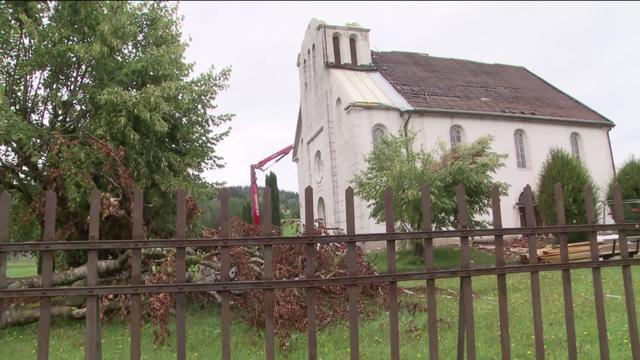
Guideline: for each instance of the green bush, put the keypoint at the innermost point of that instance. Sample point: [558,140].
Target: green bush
[629,179]
[561,167]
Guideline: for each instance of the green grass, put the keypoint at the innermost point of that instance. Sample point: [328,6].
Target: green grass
[444,257]
[21,268]
[204,336]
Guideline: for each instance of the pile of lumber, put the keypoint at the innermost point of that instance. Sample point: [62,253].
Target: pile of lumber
[577,251]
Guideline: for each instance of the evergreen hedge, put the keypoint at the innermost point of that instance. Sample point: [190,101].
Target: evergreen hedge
[562,167]
[629,179]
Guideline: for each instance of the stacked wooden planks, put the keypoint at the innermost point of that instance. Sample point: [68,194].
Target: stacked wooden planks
[577,251]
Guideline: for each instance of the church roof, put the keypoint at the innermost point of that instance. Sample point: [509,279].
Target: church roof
[450,84]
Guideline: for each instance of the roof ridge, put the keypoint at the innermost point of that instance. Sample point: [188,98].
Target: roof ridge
[446,58]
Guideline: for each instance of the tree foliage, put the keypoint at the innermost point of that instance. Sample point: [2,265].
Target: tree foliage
[98,95]
[272,182]
[629,180]
[395,162]
[562,167]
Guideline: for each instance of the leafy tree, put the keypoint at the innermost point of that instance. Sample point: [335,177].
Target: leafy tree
[562,167]
[395,162]
[629,180]
[98,95]
[272,182]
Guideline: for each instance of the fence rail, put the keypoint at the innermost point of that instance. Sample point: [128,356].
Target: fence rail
[465,272]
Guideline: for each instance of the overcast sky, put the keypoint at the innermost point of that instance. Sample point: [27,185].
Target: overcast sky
[589,50]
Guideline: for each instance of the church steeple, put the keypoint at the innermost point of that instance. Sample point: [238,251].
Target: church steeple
[337,46]
[346,45]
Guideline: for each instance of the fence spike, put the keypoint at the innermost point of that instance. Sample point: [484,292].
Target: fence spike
[432,319]
[626,275]
[535,276]
[181,270]
[389,216]
[5,201]
[225,309]
[310,272]
[44,321]
[566,276]
[137,233]
[352,269]
[596,275]
[503,304]
[269,306]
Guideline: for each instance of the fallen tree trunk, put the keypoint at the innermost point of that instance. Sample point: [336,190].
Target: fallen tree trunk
[26,315]
[72,275]
[23,315]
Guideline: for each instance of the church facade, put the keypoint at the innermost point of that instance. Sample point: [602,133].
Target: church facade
[350,96]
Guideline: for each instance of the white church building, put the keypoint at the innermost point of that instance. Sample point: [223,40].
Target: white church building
[350,96]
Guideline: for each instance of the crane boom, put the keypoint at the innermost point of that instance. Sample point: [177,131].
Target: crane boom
[277,156]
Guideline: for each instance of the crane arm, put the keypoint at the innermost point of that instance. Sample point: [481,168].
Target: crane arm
[277,156]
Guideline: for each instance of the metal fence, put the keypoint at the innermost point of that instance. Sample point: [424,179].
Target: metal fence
[310,282]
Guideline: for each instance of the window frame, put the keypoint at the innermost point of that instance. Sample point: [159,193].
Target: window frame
[575,142]
[459,132]
[318,166]
[377,138]
[321,204]
[353,49]
[521,148]
[337,59]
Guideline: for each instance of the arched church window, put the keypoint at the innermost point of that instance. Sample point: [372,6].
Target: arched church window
[318,166]
[336,49]
[520,142]
[456,134]
[378,133]
[354,54]
[575,145]
[322,214]
[306,83]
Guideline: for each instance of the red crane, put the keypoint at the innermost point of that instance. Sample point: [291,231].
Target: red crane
[277,156]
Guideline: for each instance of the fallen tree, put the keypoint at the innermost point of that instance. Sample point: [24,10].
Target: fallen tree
[203,265]
[105,267]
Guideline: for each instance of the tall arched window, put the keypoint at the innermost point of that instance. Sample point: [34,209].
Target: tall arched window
[520,140]
[378,132]
[313,59]
[322,214]
[336,49]
[575,145]
[319,166]
[456,135]
[354,54]
[305,74]
[338,109]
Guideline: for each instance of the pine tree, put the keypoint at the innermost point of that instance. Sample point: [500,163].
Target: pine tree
[272,182]
[561,167]
[629,180]
[247,216]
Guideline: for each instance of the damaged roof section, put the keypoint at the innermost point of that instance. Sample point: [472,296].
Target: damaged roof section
[450,84]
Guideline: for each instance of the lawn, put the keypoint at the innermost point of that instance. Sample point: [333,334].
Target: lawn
[203,324]
[21,268]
